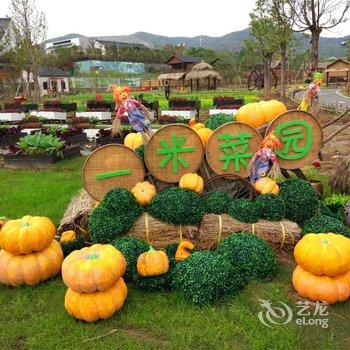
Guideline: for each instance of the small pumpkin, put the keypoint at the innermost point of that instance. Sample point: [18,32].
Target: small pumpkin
[144,192]
[321,288]
[204,134]
[194,125]
[133,140]
[27,235]
[192,181]
[266,185]
[152,263]
[183,250]
[30,269]
[91,307]
[93,268]
[71,241]
[68,236]
[323,254]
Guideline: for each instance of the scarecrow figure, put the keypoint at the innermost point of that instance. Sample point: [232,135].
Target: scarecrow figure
[137,113]
[264,161]
[312,92]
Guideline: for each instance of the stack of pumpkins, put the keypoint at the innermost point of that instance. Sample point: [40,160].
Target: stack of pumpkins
[29,254]
[96,289]
[323,271]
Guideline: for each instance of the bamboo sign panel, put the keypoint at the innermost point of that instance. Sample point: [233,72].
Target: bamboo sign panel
[231,147]
[109,167]
[301,136]
[173,151]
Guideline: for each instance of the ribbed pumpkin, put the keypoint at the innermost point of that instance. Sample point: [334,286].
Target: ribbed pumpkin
[27,235]
[68,236]
[91,307]
[266,185]
[204,134]
[93,268]
[133,140]
[256,114]
[182,251]
[323,254]
[144,192]
[152,263]
[321,288]
[192,181]
[32,268]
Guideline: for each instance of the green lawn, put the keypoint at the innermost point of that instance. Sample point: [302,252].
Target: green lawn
[34,317]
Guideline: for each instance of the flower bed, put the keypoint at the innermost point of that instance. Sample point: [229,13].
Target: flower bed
[9,136]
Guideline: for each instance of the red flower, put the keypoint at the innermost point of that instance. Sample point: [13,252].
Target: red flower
[316,164]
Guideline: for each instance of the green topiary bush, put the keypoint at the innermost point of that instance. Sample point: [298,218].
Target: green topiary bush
[250,254]
[324,224]
[170,251]
[244,210]
[114,216]
[270,207]
[206,277]
[301,200]
[214,121]
[177,206]
[69,247]
[131,248]
[217,202]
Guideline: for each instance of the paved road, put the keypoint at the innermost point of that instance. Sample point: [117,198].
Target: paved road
[331,97]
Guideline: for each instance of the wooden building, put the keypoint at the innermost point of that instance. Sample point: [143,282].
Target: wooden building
[182,63]
[202,76]
[338,72]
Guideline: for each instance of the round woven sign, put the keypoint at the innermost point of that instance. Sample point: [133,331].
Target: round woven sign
[301,136]
[173,151]
[231,147]
[109,167]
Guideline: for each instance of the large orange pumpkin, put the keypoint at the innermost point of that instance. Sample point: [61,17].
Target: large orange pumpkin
[27,235]
[32,268]
[93,268]
[321,288]
[152,263]
[192,181]
[91,307]
[323,253]
[256,114]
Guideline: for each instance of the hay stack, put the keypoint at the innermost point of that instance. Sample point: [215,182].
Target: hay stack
[340,181]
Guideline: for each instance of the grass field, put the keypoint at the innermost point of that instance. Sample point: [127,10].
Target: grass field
[34,317]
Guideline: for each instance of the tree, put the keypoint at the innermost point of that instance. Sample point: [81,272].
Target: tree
[315,16]
[28,26]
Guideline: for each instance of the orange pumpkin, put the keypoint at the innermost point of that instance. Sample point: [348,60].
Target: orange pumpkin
[133,140]
[144,192]
[32,268]
[27,235]
[195,126]
[266,185]
[93,268]
[182,251]
[152,263]
[68,236]
[91,307]
[256,114]
[323,254]
[192,181]
[321,288]
[204,134]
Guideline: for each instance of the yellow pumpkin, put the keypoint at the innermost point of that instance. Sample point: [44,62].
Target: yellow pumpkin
[27,235]
[152,263]
[182,251]
[93,268]
[91,307]
[257,114]
[32,268]
[266,185]
[192,181]
[321,288]
[323,254]
[68,236]
[204,134]
[144,192]
[133,140]
[195,126]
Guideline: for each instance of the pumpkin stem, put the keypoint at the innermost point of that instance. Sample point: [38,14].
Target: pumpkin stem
[25,224]
[151,249]
[92,256]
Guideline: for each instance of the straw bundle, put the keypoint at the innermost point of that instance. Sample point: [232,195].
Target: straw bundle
[340,180]
[277,233]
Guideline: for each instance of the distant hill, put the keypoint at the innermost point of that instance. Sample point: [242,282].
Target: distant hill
[329,47]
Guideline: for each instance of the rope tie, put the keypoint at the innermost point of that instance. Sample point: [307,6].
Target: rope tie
[146,227]
[220,228]
[180,232]
[283,233]
[253,228]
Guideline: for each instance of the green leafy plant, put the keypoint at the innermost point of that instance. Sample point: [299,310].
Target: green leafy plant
[216,120]
[217,202]
[244,210]
[336,203]
[270,207]
[324,224]
[41,144]
[250,254]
